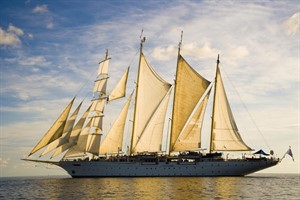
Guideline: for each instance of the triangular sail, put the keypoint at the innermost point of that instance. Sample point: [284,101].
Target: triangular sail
[66,133]
[151,89]
[80,148]
[113,141]
[72,139]
[189,88]
[56,129]
[151,138]
[190,137]
[225,134]
[120,90]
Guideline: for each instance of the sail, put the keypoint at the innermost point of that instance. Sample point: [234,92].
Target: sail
[120,90]
[225,134]
[151,138]
[114,138]
[98,105]
[190,137]
[189,88]
[80,147]
[56,129]
[100,85]
[72,139]
[66,133]
[151,89]
[103,67]
[93,143]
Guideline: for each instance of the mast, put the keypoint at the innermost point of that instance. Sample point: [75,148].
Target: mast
[143,39]
[213,111]
[172,126]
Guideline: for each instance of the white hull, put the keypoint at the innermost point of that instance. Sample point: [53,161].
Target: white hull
[102,168]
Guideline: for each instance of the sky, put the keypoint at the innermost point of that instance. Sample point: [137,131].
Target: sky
[49,53]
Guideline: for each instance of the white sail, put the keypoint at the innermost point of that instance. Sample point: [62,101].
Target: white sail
[151,138]
[225,134]
[190,137]
[103,67]
[93,143]
[56,129]
[66,133]
[100,85]
[120,90]
[114,138]
[72,139]
[189,88]
[97,124]
[151,89]
[98,105]
[79,149]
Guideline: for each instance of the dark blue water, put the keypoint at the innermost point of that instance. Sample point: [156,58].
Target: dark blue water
[256,186]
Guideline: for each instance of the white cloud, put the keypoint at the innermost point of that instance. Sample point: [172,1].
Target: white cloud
[204,52]
[44,11]
[292,24]
[11,37]
[161,53]
[4,162]
[15,30]
[50,25]
[41,9]
[35,60]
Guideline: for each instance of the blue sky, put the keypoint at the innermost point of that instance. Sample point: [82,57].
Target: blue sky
[50,49]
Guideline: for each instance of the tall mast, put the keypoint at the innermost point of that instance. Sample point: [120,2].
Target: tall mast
[213,111]
[143,39]
[172,125]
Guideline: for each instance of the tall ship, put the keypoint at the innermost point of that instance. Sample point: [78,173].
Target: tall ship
[86,150]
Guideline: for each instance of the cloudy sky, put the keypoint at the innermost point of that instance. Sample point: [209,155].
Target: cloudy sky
[49,52]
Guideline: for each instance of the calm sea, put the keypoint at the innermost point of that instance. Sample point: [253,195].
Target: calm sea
[256,186]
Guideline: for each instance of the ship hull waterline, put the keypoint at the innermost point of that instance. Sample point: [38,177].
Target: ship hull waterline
[235,167]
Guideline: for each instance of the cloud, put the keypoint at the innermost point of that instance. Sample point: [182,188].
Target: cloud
[292,24]
[35,60]
[4,162]
[11,37]
[41,9]
[161,53]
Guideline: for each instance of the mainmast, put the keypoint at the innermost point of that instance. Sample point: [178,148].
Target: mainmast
[213,111]
[172,125]
[97,108]
[143,39]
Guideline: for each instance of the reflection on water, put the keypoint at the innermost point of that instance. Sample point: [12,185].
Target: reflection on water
[250,187]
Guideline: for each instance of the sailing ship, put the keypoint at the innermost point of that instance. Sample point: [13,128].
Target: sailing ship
[89,152]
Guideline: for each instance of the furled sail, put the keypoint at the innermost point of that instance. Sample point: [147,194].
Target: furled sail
[190,137]
[225,134]
[151,138]
[151,89]
[66,133]
[120,90]
[73,138]
[56,129]
[113,141]
[189,88]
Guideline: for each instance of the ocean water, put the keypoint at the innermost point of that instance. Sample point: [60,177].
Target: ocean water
[255,186]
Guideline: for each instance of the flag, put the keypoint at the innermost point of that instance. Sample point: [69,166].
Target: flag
[290,153]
